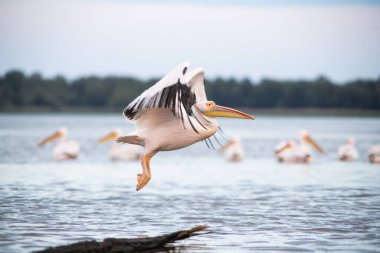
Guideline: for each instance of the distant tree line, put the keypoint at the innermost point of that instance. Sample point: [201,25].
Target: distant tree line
[20,91]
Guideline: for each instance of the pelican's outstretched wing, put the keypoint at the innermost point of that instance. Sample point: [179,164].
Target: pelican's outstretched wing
[195,80]
[176,91]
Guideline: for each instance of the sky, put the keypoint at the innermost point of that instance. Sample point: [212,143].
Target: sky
[240,39]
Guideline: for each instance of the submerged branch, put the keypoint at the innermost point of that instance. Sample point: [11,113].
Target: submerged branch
[125,245]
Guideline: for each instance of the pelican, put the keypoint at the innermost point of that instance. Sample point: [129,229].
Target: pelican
[173,114]
[118,151]
[374,154]
[64,150]
[286,152]
[348,151]
[281,148]
[233,150]
[291,152]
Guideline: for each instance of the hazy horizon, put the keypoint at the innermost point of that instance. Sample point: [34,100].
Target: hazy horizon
[239,39]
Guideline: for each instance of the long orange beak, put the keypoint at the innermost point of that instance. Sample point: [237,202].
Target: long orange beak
[50,138]
[222,111]
[315,145]
[108,137]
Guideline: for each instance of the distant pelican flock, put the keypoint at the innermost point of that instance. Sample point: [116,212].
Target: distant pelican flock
[127,152]
[285,152]
[292,152]
[173,114]
[64,149]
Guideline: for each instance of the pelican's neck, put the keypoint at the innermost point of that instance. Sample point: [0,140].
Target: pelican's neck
[304,145]
[302,141]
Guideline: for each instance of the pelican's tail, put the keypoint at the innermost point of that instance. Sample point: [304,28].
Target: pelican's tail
[131,139]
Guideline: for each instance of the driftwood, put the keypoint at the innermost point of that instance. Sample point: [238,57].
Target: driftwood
[125,245]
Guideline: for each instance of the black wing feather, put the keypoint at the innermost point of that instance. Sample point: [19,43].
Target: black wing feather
[169,97]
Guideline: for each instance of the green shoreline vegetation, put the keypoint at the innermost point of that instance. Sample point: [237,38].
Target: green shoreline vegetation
[34,93]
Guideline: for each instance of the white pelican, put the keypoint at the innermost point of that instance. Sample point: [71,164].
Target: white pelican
[291,152]
[64,150]
[119,151]
[374,154]
[286,152]
[233,150]
[281,148]
[172,114]
[348,151]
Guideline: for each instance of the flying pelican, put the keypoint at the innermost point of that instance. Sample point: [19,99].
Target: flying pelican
[348,151]
[374,154]
[64,150]
[119,151]
[173,114]
[291,152]
[233,150]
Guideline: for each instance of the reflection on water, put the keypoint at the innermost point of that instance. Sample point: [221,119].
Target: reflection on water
[255,206]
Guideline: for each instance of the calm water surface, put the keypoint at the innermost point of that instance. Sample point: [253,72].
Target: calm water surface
[254,206]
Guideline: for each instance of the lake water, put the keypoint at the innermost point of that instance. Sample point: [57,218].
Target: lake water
[257,205]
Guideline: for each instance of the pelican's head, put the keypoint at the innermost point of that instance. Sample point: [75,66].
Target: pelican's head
[305,136]
[111,136]
[210,109]
[61,133]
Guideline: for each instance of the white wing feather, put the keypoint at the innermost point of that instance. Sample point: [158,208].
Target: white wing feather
[196,81]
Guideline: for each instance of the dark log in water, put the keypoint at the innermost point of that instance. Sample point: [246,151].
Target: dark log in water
[125,245]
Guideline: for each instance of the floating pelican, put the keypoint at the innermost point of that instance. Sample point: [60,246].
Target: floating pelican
[64,150]
[291,152]
[281,148]
[286,152]
[233,150]
[374,154]
[348,151]
[172,114]
[119,151]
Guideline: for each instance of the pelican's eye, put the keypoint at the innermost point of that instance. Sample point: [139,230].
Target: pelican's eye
[210,104]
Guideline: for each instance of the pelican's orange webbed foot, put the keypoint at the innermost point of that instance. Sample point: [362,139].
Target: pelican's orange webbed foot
[144,178]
